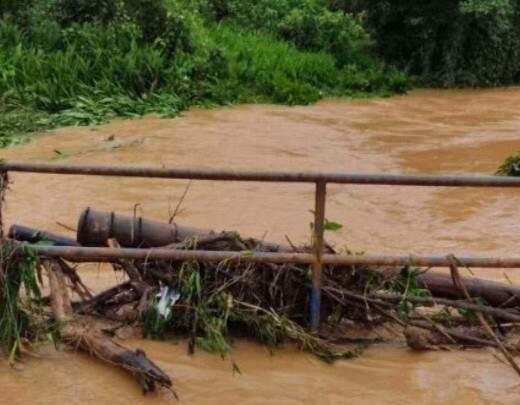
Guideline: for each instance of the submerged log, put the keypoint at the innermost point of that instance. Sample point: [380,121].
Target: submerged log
[441,285]
[508,315]
[87,334]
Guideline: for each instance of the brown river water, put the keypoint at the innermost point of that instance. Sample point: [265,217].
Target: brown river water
[431,132]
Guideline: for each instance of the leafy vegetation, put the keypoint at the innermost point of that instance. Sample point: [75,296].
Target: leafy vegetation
[77,62]
[406,286]
[219,301]
[447,42]
[511,166]
[15,273]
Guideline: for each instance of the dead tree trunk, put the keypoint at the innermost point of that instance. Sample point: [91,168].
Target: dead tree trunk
[494,293]
[441,285]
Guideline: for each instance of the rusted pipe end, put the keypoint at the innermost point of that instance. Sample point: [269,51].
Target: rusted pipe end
[95,228]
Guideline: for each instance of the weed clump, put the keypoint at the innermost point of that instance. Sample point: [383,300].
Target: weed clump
[511,166]
[17,272]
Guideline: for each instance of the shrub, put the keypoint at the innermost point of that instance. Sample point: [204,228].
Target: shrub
[448,42]
[79,11]
[315,28]
[150,15]
[264,69]
[306,23]
[163,56]
[510,167]
[12,9]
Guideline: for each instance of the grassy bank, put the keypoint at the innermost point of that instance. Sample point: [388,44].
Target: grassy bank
[72,62]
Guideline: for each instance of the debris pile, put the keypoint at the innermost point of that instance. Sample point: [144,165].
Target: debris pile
[212,303]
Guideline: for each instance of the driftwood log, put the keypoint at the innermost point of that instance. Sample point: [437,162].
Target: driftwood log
[87,333]
[441,285]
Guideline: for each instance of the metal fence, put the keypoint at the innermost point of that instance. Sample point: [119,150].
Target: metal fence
[317,259]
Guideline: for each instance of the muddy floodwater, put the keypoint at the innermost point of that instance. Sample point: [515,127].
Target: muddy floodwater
[431,132]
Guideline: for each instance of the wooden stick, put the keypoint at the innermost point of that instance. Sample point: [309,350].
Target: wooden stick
[457,280]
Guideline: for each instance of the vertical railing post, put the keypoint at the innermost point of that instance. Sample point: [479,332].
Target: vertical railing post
[319,228]
[4,181]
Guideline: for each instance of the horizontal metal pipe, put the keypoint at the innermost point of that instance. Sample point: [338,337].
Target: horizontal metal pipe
[259,176]
[84,253]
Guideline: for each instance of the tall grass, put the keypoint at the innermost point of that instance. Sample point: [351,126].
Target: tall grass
[15,273]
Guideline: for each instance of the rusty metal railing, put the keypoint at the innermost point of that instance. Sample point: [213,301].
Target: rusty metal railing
[317,259]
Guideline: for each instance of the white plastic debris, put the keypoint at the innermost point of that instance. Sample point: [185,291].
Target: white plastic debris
[167,297]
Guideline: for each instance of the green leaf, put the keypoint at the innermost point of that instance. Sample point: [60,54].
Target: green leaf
[332,226]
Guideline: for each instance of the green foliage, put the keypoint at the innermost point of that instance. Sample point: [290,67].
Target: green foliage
[316,28]
[308,24]
[80,11]
[487,7]
[153,324]
[511,166]
[15,124]
[332,226]
[81,63]
[469,315]
[447,42]
[15,10]
[87,73]
[150,15]
[209,311]
[407,285]
[264,69]
[15,273]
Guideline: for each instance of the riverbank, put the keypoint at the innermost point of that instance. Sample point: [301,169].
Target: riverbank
[64,67]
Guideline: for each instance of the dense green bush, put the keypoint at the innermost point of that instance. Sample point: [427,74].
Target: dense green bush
[447,42]
[263,69]
[316,28]
[164,56]
[308,24]
[78,11]
[85,73]
[150,15]
[13,8]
